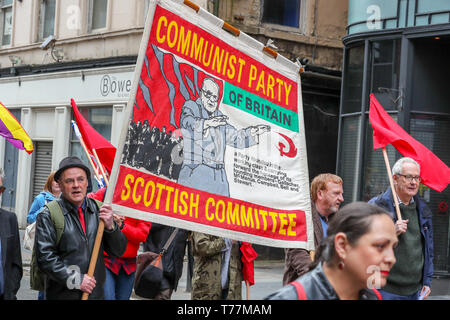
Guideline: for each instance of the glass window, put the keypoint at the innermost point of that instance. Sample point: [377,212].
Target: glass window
[6,21]
[349,156]
[433,132]
[376,179]
[100,118]
[354,71]
[98,14]
[282,12]
[385,73]
[48,8]
[429,83]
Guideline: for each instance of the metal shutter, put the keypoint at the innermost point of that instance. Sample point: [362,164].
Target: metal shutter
[42,165]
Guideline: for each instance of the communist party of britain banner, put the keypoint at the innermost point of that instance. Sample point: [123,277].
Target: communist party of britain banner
[214,140]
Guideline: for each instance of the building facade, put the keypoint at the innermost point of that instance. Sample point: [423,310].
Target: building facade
[397,50]
[55,50]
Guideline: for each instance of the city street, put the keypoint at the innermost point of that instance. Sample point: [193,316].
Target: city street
[268,278]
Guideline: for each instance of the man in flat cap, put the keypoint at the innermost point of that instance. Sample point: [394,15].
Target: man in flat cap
[63,255]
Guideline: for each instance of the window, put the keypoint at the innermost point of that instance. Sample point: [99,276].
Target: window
[6,21]
[376,179]
[100,118]
[349,156]
[385,73]
[47,18]
[354,75]
[282,12]
[98,10]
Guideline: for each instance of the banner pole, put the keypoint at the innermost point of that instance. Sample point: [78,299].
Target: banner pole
[101,167]
[99,236]
[391,181]
[247,286]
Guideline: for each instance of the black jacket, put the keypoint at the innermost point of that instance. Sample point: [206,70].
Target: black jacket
[317,287]
[173,259]
[11,258]
[65,264]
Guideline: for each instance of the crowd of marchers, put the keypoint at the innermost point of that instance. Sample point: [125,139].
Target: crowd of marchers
[363,250]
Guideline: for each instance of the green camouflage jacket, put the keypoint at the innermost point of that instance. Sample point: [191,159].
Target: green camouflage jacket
[206,282]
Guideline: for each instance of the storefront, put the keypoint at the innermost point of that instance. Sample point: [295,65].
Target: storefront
[41,102]
[401,57]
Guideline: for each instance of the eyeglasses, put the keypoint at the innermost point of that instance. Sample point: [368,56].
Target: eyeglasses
[210,95]
[2,188]
[410,178]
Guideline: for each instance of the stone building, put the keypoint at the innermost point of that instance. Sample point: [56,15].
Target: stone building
[54,50]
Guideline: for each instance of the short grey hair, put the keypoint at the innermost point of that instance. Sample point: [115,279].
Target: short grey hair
[398,166]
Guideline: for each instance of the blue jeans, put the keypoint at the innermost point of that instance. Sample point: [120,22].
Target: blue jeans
[118,287]
[392,296]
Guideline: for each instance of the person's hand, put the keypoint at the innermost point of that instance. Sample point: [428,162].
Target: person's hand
[118,219]
[259,129]
[106,214]
[88,284]
[427,291]
[401,226]
[215,122]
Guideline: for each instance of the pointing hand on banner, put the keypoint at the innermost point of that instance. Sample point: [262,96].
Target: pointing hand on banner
[259,130]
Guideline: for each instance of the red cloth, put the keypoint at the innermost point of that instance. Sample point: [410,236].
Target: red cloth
[115,264]
[136,232]
[435,174]
[81,216]
[248,255]
[94,140]
[98,195]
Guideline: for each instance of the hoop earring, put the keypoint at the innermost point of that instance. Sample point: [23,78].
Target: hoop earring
[341,265]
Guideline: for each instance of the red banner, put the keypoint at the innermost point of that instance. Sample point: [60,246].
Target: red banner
[149,193]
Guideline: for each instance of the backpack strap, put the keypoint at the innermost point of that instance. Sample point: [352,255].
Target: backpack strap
[301,295]
[378,294]
[57,217]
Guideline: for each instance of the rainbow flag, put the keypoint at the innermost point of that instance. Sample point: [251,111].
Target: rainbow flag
[12,131]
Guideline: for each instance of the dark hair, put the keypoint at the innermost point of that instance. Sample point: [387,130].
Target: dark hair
[354,220]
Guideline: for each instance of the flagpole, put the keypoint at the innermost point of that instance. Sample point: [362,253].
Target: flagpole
[394,194]
[247,285]
[100,230]
[101,167]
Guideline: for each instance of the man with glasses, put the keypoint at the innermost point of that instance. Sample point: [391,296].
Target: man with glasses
[206,134]
[65,262]
[410,278]
[10,253]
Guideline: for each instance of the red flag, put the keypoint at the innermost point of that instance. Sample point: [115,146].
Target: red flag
[94,140]
[435,174]
[164,86]
[248,255]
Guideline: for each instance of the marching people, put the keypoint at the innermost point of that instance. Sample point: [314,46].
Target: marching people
[217,268]
[352,262]
[50,193]
[121,271]
[10,252]
[326,197]
[172,259]
[410,279]
[65,264]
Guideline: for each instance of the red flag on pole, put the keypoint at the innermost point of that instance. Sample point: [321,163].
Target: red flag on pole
[248,255]
[435,174]
[94,140]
